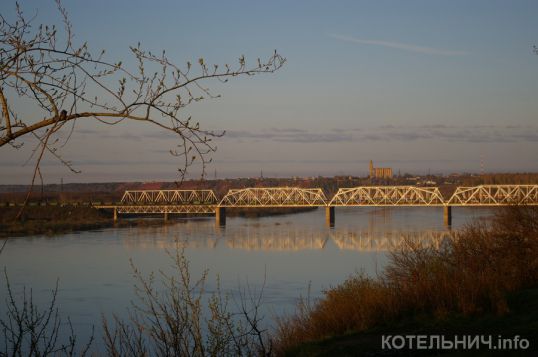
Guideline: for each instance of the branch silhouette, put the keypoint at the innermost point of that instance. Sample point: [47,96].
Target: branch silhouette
[60,82]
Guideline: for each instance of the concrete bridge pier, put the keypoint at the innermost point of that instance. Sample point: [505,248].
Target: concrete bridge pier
[447,215]
[220,216]
[329,216]
[165,217]
[115,215]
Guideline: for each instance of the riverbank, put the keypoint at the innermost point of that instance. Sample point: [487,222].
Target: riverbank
[522,321]
[58,219]
[97,263]
[52,220]
[481,282]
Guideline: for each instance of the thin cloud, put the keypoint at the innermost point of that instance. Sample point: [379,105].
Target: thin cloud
[467,133]
[477,133]
[387,133]
[288,130]
[315,138]
[290,135]
[402,46]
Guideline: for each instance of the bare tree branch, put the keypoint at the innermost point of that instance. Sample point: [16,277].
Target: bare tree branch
[44,146]
[64,81]
[174,315]
[3,245]
[29,330]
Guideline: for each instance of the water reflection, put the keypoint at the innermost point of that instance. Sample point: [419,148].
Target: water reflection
[270,237]
[365,241]
[275,239]
[289,255]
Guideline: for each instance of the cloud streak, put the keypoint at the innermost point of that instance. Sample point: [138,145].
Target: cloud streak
[485,133]
[387,133]
[290,135]
[468,134]
[401,46]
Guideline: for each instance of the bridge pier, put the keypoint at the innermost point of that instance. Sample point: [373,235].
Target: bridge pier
[220,216]
[115,215]
[447,215]
[165,217]
[329,216]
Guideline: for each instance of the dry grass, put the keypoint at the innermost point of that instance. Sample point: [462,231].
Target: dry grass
[471,275]
[50,220]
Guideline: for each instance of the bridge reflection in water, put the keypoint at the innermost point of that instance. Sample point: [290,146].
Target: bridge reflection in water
[204,235]
[390,240]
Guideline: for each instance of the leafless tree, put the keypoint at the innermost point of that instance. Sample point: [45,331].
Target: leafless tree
[174,315]
[43,70]
[29,330]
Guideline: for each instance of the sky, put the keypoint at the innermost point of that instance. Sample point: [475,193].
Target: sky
[419,86]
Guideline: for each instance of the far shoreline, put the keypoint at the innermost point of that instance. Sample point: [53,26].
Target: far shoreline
[58,219]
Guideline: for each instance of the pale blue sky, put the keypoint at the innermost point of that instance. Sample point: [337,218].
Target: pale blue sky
[416,85]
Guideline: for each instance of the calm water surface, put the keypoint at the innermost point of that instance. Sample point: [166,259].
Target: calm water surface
[286,254]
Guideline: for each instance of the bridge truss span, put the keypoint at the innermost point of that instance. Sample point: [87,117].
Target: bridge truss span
[495,195]
[154,209]
[388,196]
[169,198]
[274,197]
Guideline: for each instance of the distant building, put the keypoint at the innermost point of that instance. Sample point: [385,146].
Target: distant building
[380,172]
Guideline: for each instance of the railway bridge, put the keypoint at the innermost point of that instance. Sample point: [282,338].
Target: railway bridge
[206,202]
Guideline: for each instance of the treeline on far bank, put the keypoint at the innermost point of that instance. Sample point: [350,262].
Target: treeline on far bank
[500,179]
[113,191]
[468,286]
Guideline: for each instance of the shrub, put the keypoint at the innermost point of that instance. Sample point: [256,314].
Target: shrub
[472,274]
[172,317]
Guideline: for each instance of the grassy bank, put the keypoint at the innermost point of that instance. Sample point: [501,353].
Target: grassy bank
[57,219]
[522,320]
[51,220]
[470,281]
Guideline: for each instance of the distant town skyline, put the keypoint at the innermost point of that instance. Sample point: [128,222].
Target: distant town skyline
[417,86]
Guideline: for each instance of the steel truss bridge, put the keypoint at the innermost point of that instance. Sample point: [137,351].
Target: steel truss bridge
[495,195]
[206,202]
[388,196]
[274,197]
[165,202]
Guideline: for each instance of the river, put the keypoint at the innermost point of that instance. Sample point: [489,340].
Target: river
[290,256]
